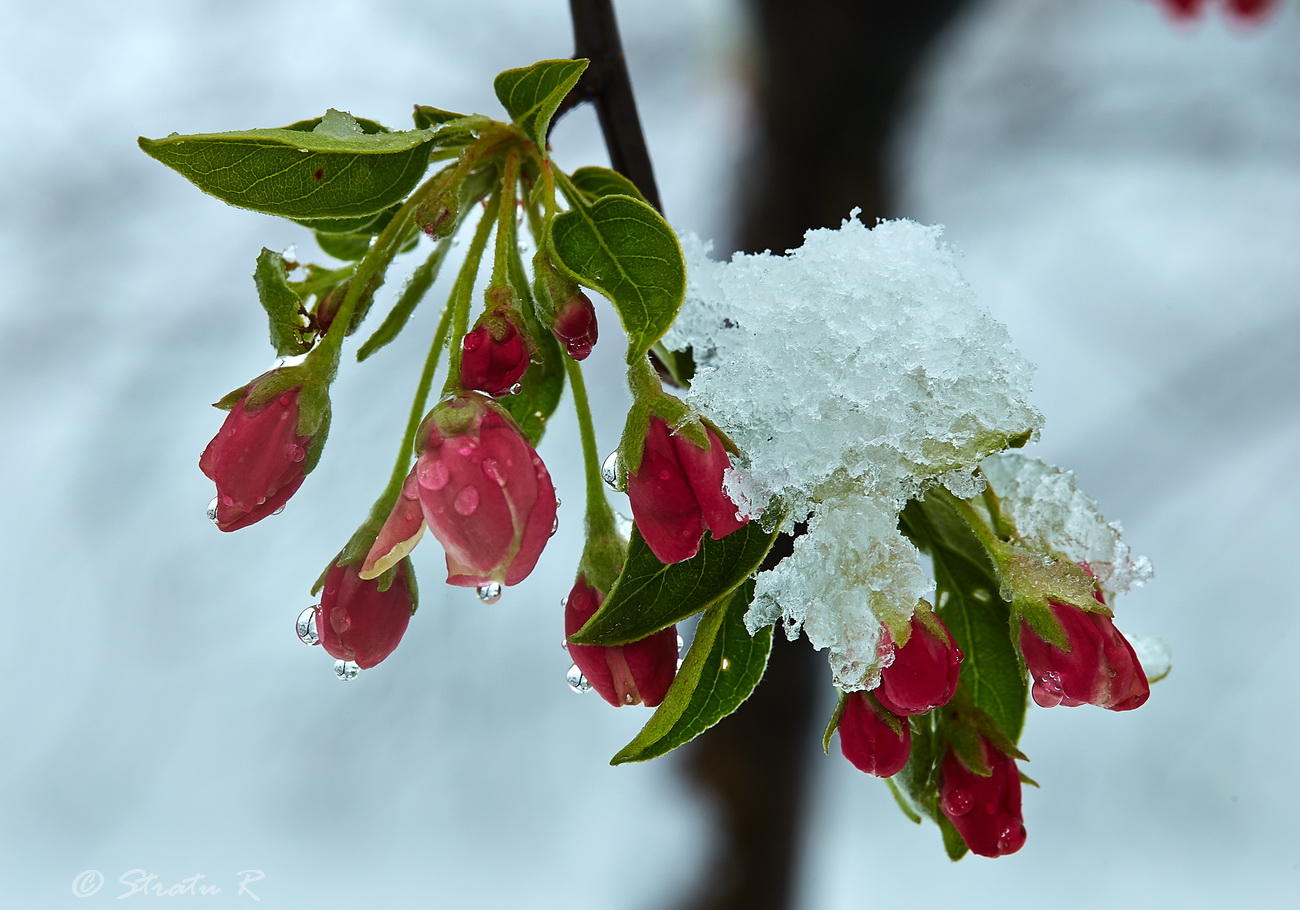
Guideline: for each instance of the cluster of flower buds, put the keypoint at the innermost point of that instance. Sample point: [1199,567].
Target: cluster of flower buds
[1245,10]
[983,802]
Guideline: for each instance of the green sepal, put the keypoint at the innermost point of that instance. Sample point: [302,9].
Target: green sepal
[297,174]
[650,596]
[721,670]
[532,94]
[834,723]
[970,605]
[595,182]
[284,310]
[625,250]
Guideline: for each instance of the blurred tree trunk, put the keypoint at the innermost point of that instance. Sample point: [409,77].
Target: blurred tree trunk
[833,77]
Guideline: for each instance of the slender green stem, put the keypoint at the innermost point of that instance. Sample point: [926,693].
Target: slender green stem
[462,293]
[419,403]
[505,242]
[600,517]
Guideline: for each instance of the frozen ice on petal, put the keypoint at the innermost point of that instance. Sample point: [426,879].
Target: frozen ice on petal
[338,125]
[1049,511]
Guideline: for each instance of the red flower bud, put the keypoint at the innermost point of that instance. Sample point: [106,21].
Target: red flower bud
[923,675]
[481,489]
[1097,667]
[637,673]
[1251,9]
[1184,9]
[984,810]
[575,327]
[677,492]
[358,622]
[872,738]
[256,458]
[493,357]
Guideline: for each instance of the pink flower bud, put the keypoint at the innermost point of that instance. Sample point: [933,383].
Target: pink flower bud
[923,675]
[256,458]
[677,493]
[984,810]
[493,357]
[637,673]
[575,327]
[483,492]
[358,622]
[1097,667]
[873,739]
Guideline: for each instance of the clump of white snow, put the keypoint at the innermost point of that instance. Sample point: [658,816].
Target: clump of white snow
[1051,513]
[852,373]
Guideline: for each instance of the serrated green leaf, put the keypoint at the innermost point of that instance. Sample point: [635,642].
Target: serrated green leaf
[300,175]
[971,607]
[719,673]
[624,249]
[649,596]
[531,94]
[282,304]
[601,181]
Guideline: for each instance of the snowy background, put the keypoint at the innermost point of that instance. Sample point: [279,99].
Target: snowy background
[1127,194]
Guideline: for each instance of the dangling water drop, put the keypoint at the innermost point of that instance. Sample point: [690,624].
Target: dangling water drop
[555,525]
[516,388]
[489,593]
[609,471]
[212,510]
[680,641]
[306,626]
[577,682]
[1047,690]
[346,670]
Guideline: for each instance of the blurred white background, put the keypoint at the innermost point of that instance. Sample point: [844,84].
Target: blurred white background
[1127,194]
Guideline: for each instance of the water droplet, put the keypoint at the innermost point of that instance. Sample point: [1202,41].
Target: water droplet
[432,474]
[346,669]
[212,510]
[609,471]
[466,501]
[558,502]
[726,663]
[489,593]
[555,525]
[492,470]
[306,626]
[680,642]
[296,452]
[577,682]
[981,595]
[564,644]
[957,655]
[278,511]
[1047,690]
[958,802]
[516,388]
[564,601]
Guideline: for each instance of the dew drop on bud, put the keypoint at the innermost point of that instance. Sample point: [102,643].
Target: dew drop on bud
[609,471]
[432,474]
[958,802]
[346,669]
[564,601]
[555,525]
[212,510]
[466,501]
[1047,690]
[564,644]
[680,642]
[306,626]
[516,388]
[489,593]
[577,682]
[296,452]
[492,470]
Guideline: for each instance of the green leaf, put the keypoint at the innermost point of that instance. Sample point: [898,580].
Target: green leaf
[601,181]
[543,383]
[282,304]
[649,596]
[427,117]
[425,274]
[971,607]
[297,174]
[720,671]
[624,249]
[531,95]
[348,247]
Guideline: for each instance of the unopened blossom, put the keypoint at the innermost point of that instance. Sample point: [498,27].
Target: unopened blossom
[1098,666]
[872,738]
[985,809]
[676,493]
[493,356]
[357,621]
[923,673]
[575,326]
[637,673]
[258,457]
[482,491]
